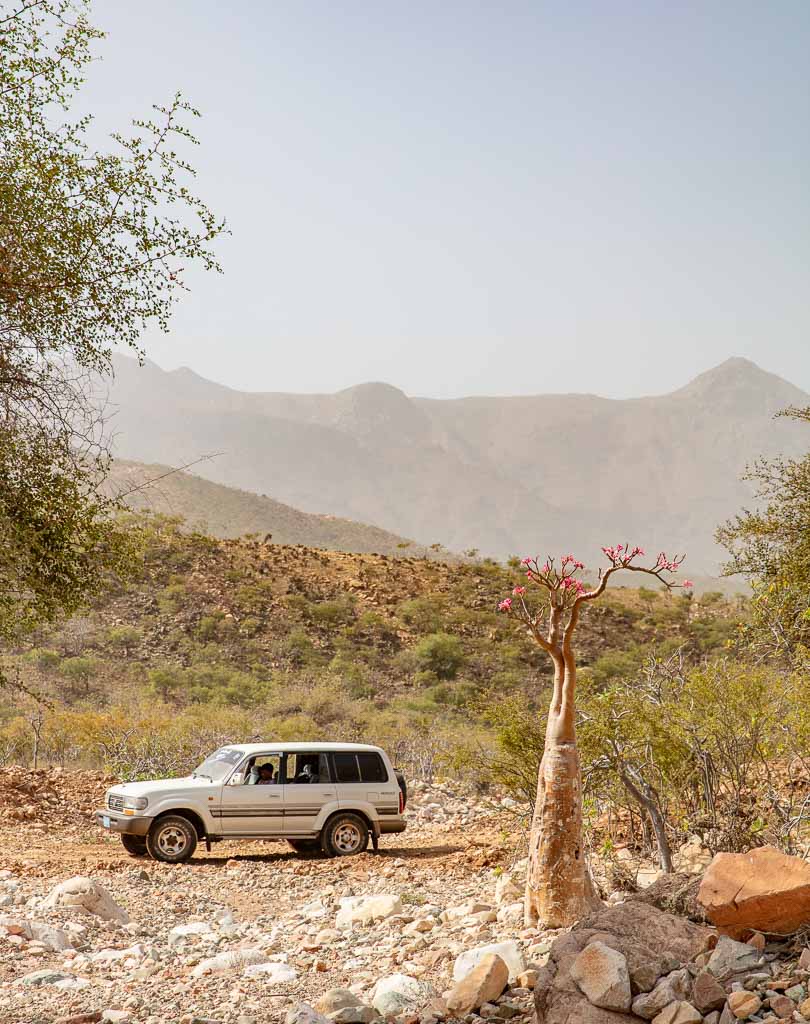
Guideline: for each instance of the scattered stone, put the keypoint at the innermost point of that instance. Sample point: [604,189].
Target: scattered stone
[304,1014]
[679,1013]
[335,999]
[362,910]
[272,973]
[485,982]
[763,889]
[743,1004]
[707,993]
[399,993]
[90,896]
[782,1006]
[222,963]
[509,952]
[730,958]
[675,987]
[601,973]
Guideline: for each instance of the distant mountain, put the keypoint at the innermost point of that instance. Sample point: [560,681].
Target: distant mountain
[228,512]
[505,475]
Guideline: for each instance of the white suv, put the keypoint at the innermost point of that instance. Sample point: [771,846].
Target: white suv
[332,796]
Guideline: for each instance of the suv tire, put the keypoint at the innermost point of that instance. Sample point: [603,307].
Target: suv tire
[305,845]
[134,845]
[344,836]
[172,839]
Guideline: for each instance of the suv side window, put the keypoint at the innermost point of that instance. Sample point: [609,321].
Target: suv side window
[346,769]
[365,767]
[372,768]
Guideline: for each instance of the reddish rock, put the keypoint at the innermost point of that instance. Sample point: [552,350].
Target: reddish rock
[757,940]
[783,1007]
[708,994]
[763,890]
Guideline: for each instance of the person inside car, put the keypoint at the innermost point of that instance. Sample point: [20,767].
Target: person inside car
[265,775]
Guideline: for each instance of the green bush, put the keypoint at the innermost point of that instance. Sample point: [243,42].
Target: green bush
[440,653]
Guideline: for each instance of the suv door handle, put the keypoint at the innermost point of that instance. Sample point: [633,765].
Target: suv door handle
[274,796]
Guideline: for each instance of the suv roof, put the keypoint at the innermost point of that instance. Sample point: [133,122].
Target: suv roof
[291,748]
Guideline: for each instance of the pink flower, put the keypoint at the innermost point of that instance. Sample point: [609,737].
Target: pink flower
[525,561]
[566,582]
[580,586]
[546,569]
[638,551]
[519,591]
[505,605]
[687,584]
[529,574]
[579,565]
[567,559]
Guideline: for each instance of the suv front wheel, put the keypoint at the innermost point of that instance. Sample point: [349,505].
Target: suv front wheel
[172,839]
[344,836]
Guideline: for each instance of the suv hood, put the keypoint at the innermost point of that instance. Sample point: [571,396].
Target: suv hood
[158,786]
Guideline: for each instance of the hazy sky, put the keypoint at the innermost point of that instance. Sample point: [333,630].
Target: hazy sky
[462,198]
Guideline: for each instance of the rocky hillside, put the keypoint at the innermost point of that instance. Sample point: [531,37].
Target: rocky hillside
[504,475]
[229,512]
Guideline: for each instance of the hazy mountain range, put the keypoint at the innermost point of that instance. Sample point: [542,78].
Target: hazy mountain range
[504,475]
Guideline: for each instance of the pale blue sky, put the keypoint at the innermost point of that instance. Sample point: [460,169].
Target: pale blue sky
[470,198]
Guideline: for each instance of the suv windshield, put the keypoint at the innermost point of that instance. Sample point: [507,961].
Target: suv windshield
[217,765]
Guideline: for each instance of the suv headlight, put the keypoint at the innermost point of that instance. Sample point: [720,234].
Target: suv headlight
[134,803]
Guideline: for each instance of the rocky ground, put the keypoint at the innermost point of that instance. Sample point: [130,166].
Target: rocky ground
[251,929]
[429,929]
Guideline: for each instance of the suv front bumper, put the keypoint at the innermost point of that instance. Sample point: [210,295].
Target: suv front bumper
[114,821]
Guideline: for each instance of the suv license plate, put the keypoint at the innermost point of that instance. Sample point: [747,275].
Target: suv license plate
[105,821]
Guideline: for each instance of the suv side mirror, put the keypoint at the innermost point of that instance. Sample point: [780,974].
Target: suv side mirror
[237,779]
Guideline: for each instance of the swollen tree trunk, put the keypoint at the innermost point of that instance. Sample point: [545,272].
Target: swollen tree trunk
[559,888]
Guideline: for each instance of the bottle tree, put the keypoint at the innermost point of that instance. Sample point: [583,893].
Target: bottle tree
[559,890]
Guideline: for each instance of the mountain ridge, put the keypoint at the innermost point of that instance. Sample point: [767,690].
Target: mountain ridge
[504,475]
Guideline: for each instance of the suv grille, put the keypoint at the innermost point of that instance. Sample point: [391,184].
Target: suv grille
[115,802]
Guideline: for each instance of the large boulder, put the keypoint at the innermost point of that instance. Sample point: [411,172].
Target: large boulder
[88,895]
[652,942]
[762,890]
[483,984]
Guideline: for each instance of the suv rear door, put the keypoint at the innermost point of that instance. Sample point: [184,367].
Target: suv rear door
[306,794]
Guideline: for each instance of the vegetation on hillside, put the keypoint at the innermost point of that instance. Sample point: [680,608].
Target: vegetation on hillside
[215,640]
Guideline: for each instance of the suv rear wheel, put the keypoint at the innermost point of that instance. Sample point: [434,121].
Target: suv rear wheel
[344,835]
[134,845]
[172,839]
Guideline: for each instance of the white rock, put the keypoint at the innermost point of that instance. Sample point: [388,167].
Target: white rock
[90,896]
[222,963]
[399,993]
[272,973]
[184,931]
[54,938]
[360,910]
[314,910]
[510,952]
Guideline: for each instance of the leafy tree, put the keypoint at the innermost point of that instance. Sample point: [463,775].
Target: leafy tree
[558,888]
[771,546]
[92,248]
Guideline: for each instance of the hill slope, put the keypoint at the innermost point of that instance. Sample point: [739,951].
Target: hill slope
[505,475]
[229,512]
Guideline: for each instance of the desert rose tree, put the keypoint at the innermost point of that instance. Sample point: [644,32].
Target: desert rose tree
[559,890]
